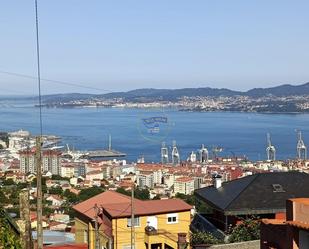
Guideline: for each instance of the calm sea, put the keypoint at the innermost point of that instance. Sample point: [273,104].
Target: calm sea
[135,133]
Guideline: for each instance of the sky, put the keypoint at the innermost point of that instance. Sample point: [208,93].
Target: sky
[119,45]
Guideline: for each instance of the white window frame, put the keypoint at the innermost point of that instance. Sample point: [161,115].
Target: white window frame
[174,215]
[136,218]
[128,247]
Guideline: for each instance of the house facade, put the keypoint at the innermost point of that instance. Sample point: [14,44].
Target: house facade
[157,223]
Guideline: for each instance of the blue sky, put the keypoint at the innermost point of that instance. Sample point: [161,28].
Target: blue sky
[121,45]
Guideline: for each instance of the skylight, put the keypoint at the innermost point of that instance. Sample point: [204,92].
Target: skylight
[277,188]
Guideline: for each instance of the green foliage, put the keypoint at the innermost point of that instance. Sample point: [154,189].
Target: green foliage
[123,191]
[22,185]
[57,177]
[3,198]
[55,191]
[248,229]
[198,238]
[157,197]
[47,211]
[8,239]
[190,199]
[142,194]
[8,182]
[89,192]
[70,197]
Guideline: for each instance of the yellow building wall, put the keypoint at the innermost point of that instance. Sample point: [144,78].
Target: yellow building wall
[167,233]
[80,227]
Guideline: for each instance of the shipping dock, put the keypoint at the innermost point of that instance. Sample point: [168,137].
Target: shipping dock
[96,154]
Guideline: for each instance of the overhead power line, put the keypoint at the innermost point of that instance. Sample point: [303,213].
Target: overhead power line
[80,85]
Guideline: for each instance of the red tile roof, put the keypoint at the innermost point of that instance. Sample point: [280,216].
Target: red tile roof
[118,205]
[142,208]
[108,197]
[184,179]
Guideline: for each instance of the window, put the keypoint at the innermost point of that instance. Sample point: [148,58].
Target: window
[172,218]
[136,222]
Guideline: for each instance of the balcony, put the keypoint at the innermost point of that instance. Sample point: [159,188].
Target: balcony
[163,239]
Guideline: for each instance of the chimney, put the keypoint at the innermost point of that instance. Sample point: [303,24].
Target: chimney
[217,179]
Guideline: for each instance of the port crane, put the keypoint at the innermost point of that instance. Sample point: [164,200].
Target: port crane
[192,157]
[301,148]
[175,154]
[164,153]
[215,151]
[270,150]
[203,153]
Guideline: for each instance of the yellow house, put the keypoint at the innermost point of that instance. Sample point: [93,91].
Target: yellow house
[158,224]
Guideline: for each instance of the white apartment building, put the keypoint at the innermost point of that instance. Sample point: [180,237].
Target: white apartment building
[67,171]
[145,179]
[184,185]
[50,161]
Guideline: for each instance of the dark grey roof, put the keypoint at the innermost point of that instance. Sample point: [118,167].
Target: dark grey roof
[256,194]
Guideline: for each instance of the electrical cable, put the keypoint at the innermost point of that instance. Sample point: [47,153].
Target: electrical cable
[80,85]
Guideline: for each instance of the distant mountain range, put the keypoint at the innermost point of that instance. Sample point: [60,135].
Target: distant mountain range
[174,94]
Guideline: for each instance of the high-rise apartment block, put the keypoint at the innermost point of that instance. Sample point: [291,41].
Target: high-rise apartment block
[50,161]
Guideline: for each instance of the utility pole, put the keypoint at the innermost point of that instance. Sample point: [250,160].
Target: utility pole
[96,227]
[38,157]
[25,217]
[132,218]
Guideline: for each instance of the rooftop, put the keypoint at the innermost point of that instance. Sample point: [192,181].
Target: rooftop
[118,205]
[256,194]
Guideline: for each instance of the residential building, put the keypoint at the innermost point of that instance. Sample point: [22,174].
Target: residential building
[50,161]
[289,233]
[184,185]
[55,200]
[96,174]
[145,179]
[80,170]
[157,223]
[263,195]
[27,161]
[67,170]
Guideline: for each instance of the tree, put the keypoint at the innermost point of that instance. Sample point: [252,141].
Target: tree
[248,229]
[87,193]
[123,191]
[8,239]
[70,197]
[198,238]
[3,198]
[55,191]
[8,182]
[142,194]
[190,199]
[58,177]
[157,197]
